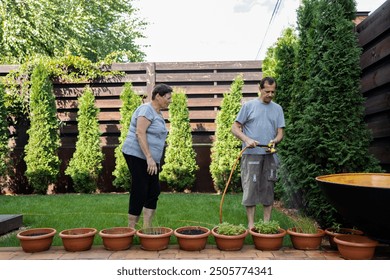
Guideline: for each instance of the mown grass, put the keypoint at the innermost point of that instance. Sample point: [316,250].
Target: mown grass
[101,211]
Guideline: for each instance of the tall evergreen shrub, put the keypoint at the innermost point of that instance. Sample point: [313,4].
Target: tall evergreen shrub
[86,163]
[269,62]
[326,133]
[41,150]
[130,102]
[4,149]
[180,164]
[226,146]
[283,69]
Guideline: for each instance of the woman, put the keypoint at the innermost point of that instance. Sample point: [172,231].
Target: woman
[143,149]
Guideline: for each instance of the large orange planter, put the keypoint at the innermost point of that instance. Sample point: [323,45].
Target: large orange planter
[347,192]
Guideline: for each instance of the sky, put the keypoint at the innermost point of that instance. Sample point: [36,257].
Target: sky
[217,30]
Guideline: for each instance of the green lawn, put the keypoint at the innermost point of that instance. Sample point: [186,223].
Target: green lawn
[110,210]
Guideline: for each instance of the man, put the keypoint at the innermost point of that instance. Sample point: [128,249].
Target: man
[260,121]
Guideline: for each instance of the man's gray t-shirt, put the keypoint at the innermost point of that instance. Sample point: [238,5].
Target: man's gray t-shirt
[155,134]
[260,121]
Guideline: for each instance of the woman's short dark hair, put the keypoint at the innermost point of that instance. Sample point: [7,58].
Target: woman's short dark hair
[269,81]
[161,89]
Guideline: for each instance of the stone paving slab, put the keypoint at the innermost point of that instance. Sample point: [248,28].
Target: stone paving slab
[248,252]
[135,252]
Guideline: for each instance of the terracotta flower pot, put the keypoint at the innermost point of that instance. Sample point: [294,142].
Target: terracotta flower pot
[36,239]
[268,242]
[331,233]
[306,241]
[192,238]
[155,238]
[356,247]
[117,238]
[78,239]
[229,242]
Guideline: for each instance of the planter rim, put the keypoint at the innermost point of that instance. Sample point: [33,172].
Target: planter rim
[206,232]
[124,231]
[167,232]
[215,233]
[282,232]
[85,232]
[330,231]
[355,240]
[46,232]
[320,233]
[331,179]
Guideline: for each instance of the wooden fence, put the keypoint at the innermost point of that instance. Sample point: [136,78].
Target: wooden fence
[374,37]
[203,82]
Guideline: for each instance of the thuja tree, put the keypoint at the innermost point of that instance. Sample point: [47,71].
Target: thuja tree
[86,162]
[180,165]
[327,133]
[269,62]
[41,150]
[283,70]
[226,146]
[130,101]
[4,149]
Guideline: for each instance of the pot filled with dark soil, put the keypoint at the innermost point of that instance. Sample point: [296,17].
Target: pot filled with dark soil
[192,238]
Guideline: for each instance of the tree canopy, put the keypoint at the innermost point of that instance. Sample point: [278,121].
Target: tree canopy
[95,30]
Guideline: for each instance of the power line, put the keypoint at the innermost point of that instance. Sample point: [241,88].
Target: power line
[274,13]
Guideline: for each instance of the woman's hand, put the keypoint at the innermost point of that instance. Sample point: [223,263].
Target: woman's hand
[152,166]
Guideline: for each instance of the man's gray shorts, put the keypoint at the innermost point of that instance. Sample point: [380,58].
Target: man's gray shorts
[258,177]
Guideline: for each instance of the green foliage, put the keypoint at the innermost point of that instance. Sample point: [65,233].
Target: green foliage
[226,146]
[179,165]
[4,149]
[325,133]
[269,62]
[226,228]
[86,163]
[92,29]
[130,102]
[68,68]
[41,150]
[336,227]
[284,71]
[284,65]
[305,224]
[270,227]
